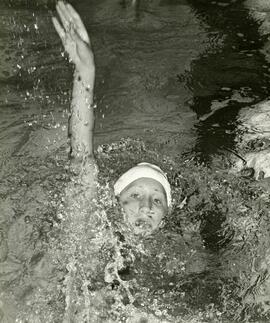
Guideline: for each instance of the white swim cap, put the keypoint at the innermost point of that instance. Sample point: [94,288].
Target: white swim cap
[143,170]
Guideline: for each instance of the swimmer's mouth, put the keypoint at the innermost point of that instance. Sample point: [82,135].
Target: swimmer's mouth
[143,226]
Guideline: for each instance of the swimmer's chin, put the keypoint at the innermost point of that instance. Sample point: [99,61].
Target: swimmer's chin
[144,231]
[142,227]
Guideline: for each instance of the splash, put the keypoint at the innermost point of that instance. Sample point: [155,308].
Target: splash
[69,257]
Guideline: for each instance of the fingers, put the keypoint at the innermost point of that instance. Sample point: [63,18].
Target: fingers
[58,28]
[64,15]
[67,38]
[73,34]
[68,16]
[81,30]
[74,14]
[66,29]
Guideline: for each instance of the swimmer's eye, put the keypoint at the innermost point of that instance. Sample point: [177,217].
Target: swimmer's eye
[157,201]
[135,195]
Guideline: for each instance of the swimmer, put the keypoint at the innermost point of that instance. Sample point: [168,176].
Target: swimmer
[143,191]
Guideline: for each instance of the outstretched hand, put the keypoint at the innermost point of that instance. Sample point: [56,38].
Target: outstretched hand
[75,38]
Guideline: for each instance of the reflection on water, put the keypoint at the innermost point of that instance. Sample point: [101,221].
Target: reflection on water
[161,65]
[225,79]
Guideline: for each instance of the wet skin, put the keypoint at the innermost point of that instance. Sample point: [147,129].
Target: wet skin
[144,203]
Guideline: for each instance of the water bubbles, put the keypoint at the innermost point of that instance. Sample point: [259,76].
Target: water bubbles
[240,35]
[26,27]
[60,216]
[27,219]
[31,123]
[31,69]
[55,125]
[20,42]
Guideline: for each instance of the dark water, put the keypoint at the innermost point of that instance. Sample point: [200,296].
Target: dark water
[156,63]
[237,66]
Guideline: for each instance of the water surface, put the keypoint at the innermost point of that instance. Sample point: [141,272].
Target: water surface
[161,66]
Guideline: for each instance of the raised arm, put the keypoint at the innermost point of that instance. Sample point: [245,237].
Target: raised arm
[77,44]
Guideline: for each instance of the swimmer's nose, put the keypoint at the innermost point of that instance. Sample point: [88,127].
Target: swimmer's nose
[145,206]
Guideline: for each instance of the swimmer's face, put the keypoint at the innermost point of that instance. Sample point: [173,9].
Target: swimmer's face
[144,203]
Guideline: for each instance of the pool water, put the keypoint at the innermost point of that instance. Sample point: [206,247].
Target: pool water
[229,77]
[172,75]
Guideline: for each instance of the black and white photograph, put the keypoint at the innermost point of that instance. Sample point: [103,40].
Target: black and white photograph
[134,161]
